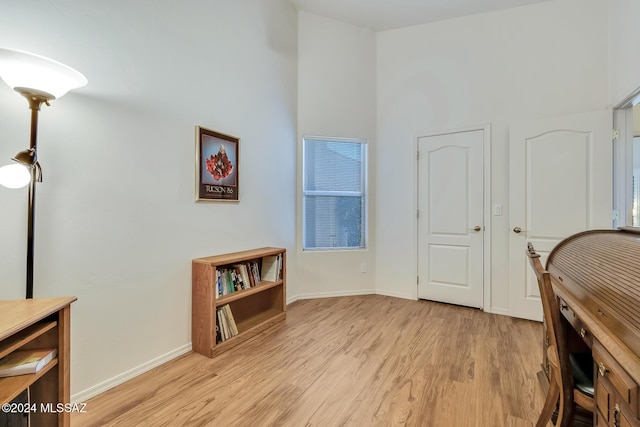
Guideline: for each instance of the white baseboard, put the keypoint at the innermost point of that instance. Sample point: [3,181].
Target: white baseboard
[97,389]
[350,293]
[292,299]
[395,294]
[332,294]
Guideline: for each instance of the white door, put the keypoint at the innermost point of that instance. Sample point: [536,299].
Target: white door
[450,218]
[560,184]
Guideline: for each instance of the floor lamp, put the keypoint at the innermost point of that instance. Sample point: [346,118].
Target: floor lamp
[39,80]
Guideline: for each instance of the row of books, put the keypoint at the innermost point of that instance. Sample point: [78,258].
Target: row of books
[246,275]
[237,277]
[226,326]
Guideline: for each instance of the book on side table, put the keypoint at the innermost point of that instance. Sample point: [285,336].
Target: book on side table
[24,362]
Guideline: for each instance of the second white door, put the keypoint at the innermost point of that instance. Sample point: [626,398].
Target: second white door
[560,183]
[450,218]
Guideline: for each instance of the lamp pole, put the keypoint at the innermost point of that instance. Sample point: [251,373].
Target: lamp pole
[35,99]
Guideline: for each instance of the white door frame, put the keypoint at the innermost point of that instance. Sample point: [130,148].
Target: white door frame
[623,159]
[486,280]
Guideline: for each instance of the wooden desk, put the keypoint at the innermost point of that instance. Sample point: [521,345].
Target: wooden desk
[38,323]
[596,276]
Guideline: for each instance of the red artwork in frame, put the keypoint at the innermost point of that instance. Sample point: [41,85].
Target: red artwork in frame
[216,166]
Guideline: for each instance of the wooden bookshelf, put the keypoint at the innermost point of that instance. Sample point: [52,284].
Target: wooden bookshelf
[255,308]
[34,324]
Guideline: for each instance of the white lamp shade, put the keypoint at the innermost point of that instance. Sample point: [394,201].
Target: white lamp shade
[25,70]
[14,176]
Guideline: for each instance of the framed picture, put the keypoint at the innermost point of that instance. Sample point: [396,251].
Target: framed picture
[216,166]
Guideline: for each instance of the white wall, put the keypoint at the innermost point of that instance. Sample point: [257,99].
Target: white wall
[337,98]
[624,18]
[498,68]
[117,225]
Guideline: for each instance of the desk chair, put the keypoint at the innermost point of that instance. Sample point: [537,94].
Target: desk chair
[570,375]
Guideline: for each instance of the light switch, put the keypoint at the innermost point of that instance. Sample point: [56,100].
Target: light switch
[497,210]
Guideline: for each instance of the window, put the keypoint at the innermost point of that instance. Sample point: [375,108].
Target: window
[334,193]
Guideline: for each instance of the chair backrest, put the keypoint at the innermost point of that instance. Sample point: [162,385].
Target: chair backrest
[557,335]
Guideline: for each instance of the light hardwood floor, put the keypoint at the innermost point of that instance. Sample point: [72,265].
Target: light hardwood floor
[351,361]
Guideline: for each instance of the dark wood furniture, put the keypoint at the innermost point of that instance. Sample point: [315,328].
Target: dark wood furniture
[569,384]
[38,323]
[596,278]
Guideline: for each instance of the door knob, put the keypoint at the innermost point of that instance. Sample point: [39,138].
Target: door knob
[477,228]
[517,230]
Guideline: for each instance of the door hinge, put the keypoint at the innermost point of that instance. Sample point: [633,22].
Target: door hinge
[417,280]
[615,215]
[616,133]
[417,155]
[417,213]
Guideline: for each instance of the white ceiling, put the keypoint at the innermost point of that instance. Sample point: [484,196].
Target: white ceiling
[380,15]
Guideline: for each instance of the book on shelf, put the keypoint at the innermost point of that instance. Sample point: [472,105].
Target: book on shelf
[226,323]
[224,330]
[250,275]
[255,271]
[280,266]
[218,284]
[24,362]
[232,321]
[231,286]
[244,275]
[271,268]
[218,333]
[239,279]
